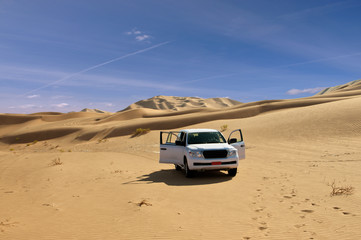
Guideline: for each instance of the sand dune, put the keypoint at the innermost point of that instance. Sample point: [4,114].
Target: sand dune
[182,103]
[93,110]
[84,176]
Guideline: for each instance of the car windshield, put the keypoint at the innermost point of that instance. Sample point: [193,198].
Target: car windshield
[205,137]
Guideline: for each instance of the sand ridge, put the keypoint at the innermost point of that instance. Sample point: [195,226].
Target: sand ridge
[353,85]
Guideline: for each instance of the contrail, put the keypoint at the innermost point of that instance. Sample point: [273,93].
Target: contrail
[97,66]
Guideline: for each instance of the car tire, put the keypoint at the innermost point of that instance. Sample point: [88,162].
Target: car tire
[188,173]
[177,167]
[232,172]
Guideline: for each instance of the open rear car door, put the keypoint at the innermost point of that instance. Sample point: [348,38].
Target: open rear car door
[235,139]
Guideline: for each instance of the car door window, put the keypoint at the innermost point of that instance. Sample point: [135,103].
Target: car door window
[235,136]
[168,138]
[172,137]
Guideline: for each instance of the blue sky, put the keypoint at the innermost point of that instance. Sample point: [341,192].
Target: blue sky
[69,55]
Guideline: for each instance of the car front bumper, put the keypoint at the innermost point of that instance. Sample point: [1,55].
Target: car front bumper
[212,164]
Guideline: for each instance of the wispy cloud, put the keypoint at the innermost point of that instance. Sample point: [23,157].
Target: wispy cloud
[278,34]
[104,82]
[97,66]
[95,81]
[60,105]
[25,106]
[33,96]
[29,74]
[330,7]
[323,59]
[307,90]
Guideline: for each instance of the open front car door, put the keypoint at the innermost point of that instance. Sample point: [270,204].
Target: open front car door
[171,147]
[236,140]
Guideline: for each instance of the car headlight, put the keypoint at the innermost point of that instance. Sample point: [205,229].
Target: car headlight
[196,154]
[232,153]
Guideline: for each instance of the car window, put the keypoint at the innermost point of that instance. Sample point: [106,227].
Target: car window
[205,137]
[180,137]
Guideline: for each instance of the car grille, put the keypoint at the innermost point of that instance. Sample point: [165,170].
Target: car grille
[215,154]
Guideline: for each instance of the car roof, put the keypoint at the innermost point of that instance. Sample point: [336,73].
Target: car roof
[198,130]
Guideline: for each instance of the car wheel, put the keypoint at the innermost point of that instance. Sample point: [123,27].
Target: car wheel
[232,172]
[177,167]
[189,173]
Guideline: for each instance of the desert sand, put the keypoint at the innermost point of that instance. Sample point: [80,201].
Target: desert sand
[86,176]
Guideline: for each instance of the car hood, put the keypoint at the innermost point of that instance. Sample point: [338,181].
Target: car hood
[210,146]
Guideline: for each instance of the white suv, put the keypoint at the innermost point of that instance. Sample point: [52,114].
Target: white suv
[202,149]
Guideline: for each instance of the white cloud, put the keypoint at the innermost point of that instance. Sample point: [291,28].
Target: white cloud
[33,96]
[61,105]
[307,90]
[139,35]
[142,37]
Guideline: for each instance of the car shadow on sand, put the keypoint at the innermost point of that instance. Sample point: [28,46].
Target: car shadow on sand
[177,178]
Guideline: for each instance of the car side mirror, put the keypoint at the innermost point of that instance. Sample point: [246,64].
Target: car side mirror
[179,143]
[232,140]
